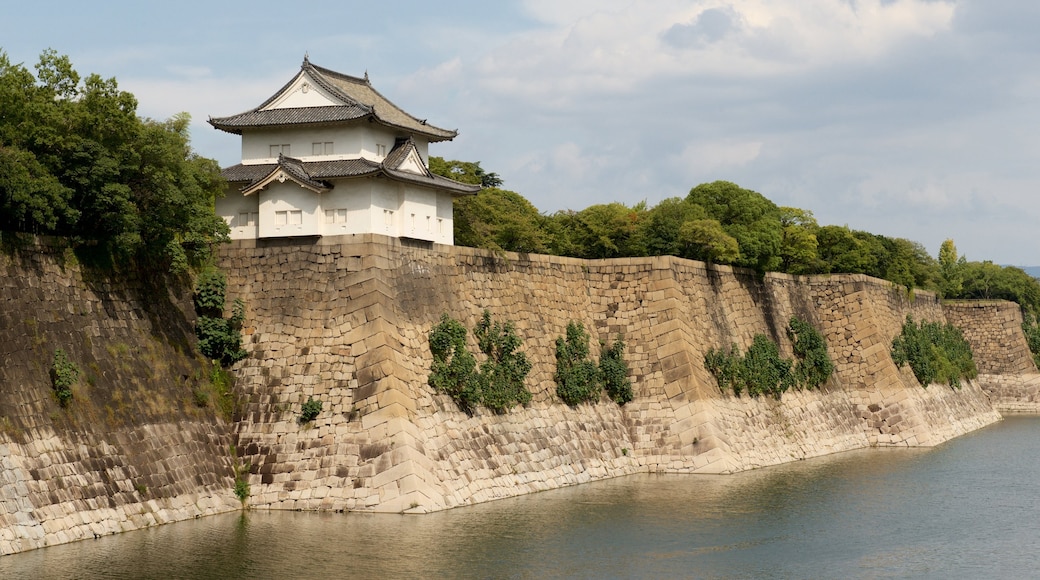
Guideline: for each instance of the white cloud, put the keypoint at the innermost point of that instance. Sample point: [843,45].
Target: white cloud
[697,159]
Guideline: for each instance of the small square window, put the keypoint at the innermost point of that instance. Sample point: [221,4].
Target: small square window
[380,150]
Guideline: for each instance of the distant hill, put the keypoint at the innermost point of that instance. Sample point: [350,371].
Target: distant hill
[1033,271]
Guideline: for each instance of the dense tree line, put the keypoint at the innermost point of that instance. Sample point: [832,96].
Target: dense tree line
[76,161]
[723,223]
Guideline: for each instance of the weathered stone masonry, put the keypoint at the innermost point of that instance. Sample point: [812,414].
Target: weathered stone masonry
[132,450]
[345,320]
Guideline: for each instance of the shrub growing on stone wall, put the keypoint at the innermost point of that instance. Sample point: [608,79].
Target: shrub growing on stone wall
[504,369]
[724,365]
[220,338]
[577,377]
[1031,329]
[937,353]
[579,380]
[761,370]
[310,410]
[497,383]
[764,371]
[64,374]
[814,366]
[454,368]
[613,371]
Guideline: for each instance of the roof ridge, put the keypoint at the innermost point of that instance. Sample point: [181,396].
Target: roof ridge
[319,73]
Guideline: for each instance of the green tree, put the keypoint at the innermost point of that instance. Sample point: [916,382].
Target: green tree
[707,240]
[77,161]
[659,230]
[464,171]
[747,216]
[798,245]
[951,270]
[497,219]
[608,230]
[840,251]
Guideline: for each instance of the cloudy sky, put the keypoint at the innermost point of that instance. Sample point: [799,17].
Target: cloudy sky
[909,118]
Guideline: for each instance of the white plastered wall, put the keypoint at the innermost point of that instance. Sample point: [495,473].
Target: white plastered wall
[286,209]
[242,213]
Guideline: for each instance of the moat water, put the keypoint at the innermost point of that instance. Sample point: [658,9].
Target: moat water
[969,508]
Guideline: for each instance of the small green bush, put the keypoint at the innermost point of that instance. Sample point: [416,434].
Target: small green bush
[310,410]
[577,377]
[762,371]
[64,374]
[220,338]
[725,366]
[1032,331]
[937,353]
[222,384]
[497,383]
[814,366]
[241,487]
[454,368]
[613,371]
[504,369]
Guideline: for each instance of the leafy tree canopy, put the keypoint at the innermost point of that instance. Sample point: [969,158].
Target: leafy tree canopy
[464,171]
[77,161]
[747,216]
[717,222]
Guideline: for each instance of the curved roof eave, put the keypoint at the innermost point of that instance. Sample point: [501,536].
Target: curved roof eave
[336,84]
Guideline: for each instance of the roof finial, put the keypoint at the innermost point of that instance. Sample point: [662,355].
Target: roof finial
[366,75]
[306,57]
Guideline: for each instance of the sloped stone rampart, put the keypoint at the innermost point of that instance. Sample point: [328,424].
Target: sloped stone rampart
[346,320]
[994,330]
[132,449]
[1007,372]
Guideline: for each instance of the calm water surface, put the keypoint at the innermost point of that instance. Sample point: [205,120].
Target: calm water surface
[967,509]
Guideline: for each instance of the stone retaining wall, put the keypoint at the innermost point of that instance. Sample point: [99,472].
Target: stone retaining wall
[132,449]
[345,320]
[994,330]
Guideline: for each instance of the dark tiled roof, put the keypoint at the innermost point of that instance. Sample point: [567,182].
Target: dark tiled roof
[289,166]
[399,154]
[318,172]
[294,167]
[295,116]
[360,98]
